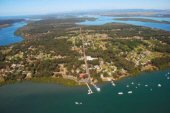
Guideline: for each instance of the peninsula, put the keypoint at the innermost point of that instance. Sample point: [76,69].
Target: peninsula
[53,52]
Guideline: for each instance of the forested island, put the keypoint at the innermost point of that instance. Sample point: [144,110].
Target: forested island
[52,52]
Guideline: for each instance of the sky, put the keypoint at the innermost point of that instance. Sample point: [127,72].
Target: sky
[29,7]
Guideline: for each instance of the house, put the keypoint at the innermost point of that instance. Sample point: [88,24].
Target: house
[89,58]
[83,75]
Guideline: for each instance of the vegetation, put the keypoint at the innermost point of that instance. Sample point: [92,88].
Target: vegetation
[162,62]
[66,82]
[52,51]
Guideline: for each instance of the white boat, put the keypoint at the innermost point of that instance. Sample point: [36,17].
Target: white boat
[95,86]
[127,86]
[150,89]
[136,87]
[146,85]
[139,84]
[168,78]
[159,85]
[98,89]
[130,92]
[76,103]
[120,93]
[132,83]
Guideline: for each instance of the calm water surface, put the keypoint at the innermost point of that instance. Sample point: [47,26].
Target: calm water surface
[101,20]
[30,97]
[7,34]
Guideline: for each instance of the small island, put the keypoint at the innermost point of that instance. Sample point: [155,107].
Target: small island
[53,52]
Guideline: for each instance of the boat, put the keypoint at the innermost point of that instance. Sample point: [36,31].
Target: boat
[95,86]
[146,85]
[132,83]
[130,92]
[127,86]
[159,85]
[120,93]
[98,89]
[76,103]
[168,78]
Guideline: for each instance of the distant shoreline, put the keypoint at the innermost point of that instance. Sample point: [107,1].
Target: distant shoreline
[142,20]
[4,25]
[8,22]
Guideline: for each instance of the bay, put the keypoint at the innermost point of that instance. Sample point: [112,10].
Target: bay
[7,34]
[28,97]
[101,20]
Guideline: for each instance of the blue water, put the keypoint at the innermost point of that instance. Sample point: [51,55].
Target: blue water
[101,20]
[7,34]
[30,97]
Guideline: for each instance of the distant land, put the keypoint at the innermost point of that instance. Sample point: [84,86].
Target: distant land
[8,22]
[114,12]
[52,51]
[142,20]
[121,12]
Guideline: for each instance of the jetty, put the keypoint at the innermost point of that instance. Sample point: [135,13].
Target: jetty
[89,89]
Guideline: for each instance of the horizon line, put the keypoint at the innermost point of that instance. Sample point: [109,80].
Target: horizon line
[78,11]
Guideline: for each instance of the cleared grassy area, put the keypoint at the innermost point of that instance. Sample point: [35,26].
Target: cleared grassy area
[65,82]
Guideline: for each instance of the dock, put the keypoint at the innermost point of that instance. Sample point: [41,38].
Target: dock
[89,89]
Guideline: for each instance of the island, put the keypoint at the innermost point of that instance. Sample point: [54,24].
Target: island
[53,51]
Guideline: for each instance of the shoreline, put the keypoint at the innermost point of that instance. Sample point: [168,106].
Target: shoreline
[142,20]
[68,82]
[65,81]
[5,25]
